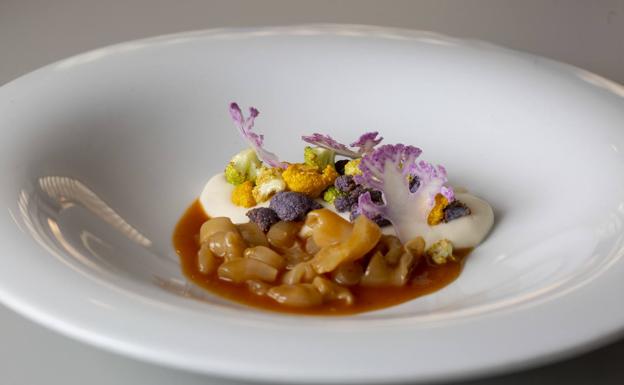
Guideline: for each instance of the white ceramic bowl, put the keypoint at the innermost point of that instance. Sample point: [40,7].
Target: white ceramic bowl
[101,153]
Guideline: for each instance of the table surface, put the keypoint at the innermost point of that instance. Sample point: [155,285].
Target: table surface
[36,32]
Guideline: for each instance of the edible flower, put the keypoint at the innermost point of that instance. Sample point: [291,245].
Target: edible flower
[308,180]
[389,169]
[245,125]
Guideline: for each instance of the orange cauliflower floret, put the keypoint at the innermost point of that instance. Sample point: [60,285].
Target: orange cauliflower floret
[242,195]
[436,215]
[308,180]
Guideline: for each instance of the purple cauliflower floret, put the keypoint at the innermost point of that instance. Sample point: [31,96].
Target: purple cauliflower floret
[292,206]
[414,183]
[381,221]
[343,203]
[264,217]
[378,219]
[348,200]
[339,165]
[345,183]
[376,196]
[454,210]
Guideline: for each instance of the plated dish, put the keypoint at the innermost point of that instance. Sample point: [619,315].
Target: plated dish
[102,153]
[347,229]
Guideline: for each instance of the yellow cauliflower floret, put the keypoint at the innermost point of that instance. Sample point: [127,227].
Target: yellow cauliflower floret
[352,167]
[242,195]
[268,183]
[436,215]
[308,180]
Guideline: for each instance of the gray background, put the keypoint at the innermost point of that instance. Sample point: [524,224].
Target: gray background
[589,34]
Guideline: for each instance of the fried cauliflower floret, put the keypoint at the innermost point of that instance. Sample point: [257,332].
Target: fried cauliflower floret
[308,180]
[242,195]
[436,215]
[268,183]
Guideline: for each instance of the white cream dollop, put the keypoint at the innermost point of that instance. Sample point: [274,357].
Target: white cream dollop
[463,232]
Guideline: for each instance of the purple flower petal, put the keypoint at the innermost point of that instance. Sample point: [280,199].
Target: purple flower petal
[245,126]
[389,169]
[330,143]
[367,142]
[367,207]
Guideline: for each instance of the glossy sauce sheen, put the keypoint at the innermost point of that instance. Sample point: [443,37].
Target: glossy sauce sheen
[426,279]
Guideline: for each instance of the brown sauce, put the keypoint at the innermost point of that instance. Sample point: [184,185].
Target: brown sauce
[426,278]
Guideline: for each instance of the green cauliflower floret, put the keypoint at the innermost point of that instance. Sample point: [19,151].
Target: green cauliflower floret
[318,157]
[331,194]
[268,182]
[243,167]
[441,252]
[353,167]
